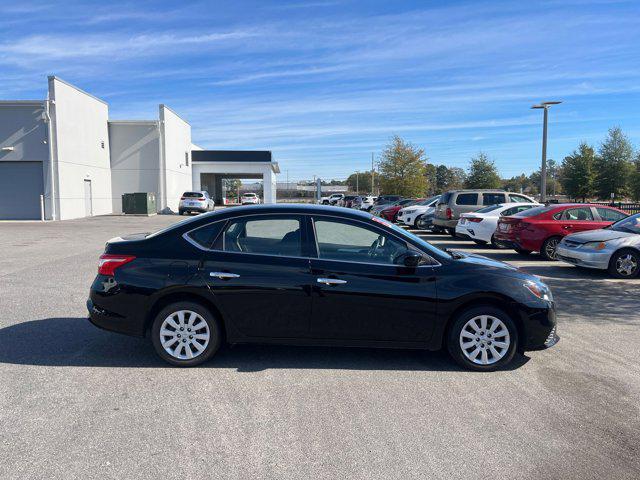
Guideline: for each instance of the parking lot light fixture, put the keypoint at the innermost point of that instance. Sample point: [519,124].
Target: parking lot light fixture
[543,169]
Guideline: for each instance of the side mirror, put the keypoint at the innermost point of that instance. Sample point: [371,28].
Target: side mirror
[412,259]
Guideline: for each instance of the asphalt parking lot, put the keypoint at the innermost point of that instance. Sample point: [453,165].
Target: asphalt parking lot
[78,402]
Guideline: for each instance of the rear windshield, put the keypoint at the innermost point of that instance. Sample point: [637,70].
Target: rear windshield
[192,194]
[532,212]
[488,209]
[249,195]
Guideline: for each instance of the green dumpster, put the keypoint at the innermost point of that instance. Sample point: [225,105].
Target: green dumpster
[140,203]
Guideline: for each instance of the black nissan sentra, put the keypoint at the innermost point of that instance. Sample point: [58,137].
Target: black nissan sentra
[314,275]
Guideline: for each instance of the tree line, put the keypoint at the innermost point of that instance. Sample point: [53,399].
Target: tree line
[588,172]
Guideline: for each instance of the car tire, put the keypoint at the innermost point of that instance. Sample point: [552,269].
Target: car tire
[185,315]
[549,248]
[479,242]
[451,231]
[180,212]
[625,264]
[494,243]
[479,344]
[522,251]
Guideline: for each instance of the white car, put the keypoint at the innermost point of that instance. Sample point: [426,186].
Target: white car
[363,202]
[249,199]
[332,199]
[410,215]
[195,202]
[480,225]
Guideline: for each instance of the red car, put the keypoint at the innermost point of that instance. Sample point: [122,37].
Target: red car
[391,212]
[540,229]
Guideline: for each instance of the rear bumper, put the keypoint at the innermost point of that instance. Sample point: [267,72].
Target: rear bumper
[192,209]
[111,321]
[598,260]
[440,222]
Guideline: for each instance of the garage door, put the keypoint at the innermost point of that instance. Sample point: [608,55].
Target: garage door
[20,189]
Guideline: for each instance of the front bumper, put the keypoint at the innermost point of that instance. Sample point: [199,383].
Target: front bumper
[540,329]
[590,259]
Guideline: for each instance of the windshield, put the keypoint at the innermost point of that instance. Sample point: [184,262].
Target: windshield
[427,201]
[629,225]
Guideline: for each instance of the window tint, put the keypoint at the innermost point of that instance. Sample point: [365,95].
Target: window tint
[578,214]
[268,236]
[519,198]
[467,199]
[339,240]
[609,215]
[490,208]
[514,210]
[205,236]
[532,212]
[445,198]
[492,198]
[192,194]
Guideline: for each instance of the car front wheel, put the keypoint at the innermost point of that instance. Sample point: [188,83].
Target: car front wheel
[185,334]
[625,264]
[549,248]
[483,338]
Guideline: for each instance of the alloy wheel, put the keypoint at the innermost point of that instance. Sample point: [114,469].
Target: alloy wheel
[627,265]
[550,248]
[184,335]
[484,340]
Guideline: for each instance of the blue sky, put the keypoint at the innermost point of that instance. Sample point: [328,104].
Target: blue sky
[324,83]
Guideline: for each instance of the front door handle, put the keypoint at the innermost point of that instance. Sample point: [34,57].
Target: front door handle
[331,281]
[224,275]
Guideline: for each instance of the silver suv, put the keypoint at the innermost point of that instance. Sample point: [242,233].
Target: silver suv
[455,202]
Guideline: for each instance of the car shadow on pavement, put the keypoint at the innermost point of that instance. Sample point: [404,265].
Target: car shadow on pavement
[73,342]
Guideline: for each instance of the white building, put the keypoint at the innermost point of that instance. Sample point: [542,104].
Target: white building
[62,158]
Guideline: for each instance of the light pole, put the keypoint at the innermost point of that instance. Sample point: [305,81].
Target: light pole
[543,169]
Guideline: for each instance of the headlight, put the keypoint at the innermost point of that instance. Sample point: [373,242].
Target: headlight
[594,245]
[540,290]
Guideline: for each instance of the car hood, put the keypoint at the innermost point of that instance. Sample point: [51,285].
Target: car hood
[601,235]
[482,261]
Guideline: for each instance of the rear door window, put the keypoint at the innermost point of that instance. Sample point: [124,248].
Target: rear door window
[519,198]
[609,215]
[268,236]
[205,236]
[578,214]
[492,198]
[467,199]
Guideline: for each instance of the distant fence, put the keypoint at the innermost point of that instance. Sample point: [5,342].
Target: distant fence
[631,208]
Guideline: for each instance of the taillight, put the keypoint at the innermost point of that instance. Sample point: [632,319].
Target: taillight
[183,198]
[201,199]
[474,219]
[108,263]
[449,214]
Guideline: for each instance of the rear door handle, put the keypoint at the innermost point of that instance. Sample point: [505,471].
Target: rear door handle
[331,281]
[224,275]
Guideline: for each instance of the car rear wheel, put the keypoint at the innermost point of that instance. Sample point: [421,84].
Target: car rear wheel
[452,232]
[483,338]
[549,248]
[479,242]
[522,252]
[181,212]
[494,243]
[625,264]
[185,334]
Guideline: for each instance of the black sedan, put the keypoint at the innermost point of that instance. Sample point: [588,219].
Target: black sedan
[314,275]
